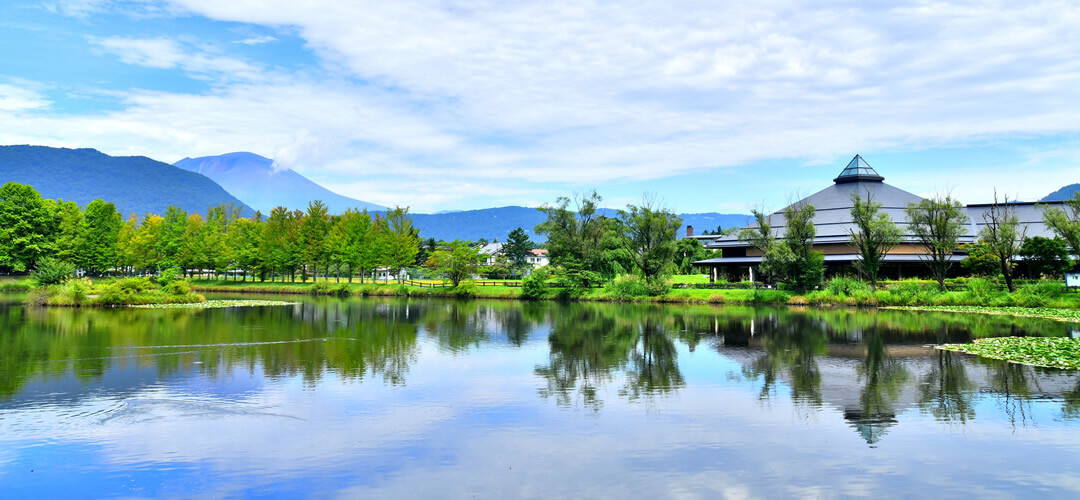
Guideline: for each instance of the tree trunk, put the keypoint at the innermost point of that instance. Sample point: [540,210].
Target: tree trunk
[1005,271]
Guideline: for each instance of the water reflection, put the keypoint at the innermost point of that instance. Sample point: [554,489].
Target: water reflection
[379,374]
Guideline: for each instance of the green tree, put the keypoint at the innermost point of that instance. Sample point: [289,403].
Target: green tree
[980,260]
[649,236]
[193,245]
[457,262]
[402,240]
[278,243]
[1003,234]
[26,225]
[1046,256]
[1065,222]
[313,232]
[126,240]
[688,251]
[69,230]
[245,235]
[517,249]
[938,224]
[584,245]
[101,229]
[170,237]
[775,257]
[874,236]
[807,267]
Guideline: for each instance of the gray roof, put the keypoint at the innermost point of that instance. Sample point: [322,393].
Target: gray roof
[832,206]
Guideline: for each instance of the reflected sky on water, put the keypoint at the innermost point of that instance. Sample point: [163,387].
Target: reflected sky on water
[393,397]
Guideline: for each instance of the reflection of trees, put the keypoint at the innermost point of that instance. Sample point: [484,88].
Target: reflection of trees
[1010,380]
[308,340]
[590,343]
[885,377]
[946,392]
[791,347]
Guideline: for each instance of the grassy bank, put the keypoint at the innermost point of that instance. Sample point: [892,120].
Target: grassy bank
[113,292]
[1033,299]
[1051,352]
[488,292]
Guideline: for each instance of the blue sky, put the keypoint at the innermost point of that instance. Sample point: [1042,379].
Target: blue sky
[444,105]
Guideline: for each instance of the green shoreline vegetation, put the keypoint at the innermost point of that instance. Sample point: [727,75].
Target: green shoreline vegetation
[1049,352]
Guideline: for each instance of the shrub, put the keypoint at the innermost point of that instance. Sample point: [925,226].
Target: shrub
[170,275]
[534,286]
[465,289]
[177,287]
[77,290]
[657,287]
[50,271]
[628,287]
[842,285]
[980,290]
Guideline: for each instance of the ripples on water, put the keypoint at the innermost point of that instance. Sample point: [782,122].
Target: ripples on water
[397,397]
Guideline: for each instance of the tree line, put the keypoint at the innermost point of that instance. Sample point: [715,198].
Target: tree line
[281,245]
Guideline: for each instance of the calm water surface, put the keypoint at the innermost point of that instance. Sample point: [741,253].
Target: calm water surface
[392,398]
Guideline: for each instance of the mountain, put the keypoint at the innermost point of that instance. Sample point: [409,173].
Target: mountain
[136,184]
[253,179]
[496,223]
[1063,194]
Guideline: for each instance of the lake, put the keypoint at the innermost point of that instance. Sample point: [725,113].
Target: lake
[406,397]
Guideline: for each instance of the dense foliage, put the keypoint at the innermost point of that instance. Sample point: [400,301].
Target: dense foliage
[284,244]
[1054,352]
[874,236]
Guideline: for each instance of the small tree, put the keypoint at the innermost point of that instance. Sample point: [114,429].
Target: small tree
[874,236]
[938,224]
[402,240]
[775,258]
[688,251]
[517,249]
[649,235]
[457,262]
[1003,234]
[1065,222]
[807,267]
[1046,256]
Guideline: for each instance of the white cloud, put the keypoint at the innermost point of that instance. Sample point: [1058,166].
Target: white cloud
[590,92]
[13,98]
[167,53]
[257,40]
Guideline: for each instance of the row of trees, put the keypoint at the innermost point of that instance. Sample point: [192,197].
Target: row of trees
[283,244]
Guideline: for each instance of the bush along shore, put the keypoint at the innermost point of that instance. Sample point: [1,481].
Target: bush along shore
[53,285]
[1051,352]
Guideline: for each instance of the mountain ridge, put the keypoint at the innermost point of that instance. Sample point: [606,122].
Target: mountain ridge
[135,184]
[1063,194]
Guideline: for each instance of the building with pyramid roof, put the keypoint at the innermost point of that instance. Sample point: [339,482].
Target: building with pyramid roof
[834,226]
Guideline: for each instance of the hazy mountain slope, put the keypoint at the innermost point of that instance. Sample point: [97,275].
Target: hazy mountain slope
[136,184]
[253,179]
[1063,194]
[492,223]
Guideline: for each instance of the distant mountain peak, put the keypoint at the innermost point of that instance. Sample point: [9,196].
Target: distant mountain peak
[253,178]
[1063,194]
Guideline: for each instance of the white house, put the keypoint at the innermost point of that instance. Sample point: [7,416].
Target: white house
[538,257]
[489,252]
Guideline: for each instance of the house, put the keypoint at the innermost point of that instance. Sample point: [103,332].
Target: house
[489,252]
[833,224]
[538,257]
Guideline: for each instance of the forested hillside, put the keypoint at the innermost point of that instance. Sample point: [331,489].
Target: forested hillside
[135,184]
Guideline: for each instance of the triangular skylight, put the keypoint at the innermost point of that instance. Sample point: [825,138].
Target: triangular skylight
[858,170]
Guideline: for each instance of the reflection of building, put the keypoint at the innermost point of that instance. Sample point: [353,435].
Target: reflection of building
[875,392]
[834,225]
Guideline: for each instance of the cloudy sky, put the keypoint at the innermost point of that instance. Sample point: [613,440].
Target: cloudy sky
[445,105]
